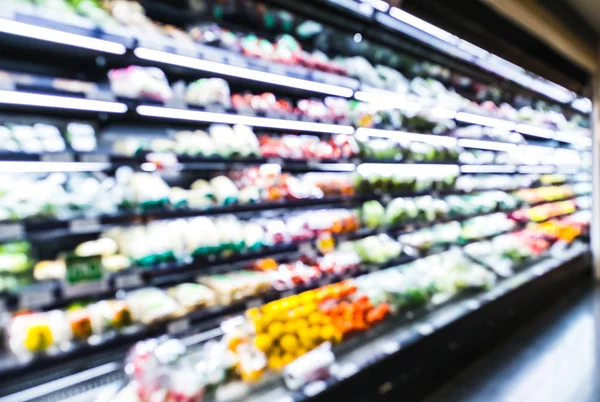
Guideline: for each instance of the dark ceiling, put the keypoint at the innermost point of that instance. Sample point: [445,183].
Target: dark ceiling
[476,22]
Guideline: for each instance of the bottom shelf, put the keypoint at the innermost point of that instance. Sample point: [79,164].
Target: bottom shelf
[419,345]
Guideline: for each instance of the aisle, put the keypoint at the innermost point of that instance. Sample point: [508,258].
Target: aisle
[554,358]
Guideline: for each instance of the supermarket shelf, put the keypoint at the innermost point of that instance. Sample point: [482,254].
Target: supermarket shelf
[36,228]
[381,363]
[51,294]
[365,360]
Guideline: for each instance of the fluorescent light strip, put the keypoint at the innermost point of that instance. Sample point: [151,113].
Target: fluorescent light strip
[241,72]
[488,169]
[418,170]
[402,135]
[378,4]
[484,121]
[573,138]
[210,117]
[442,113]
[60,102]
[584,105]
[387,100]
[535,131]
[335,167]
[537,169]
[422,25]
[56,36]
[46,167]
[488,145]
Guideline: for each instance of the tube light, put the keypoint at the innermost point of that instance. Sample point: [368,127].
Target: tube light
[422,25]
[488,169]
[484,121]
[210,117]
[402,135]
[488,145]
[56,36]
[584,105]
[442,113]
[335,167]
[241,72]
[387,100]
[378,4]
[537,169]
[45,167]
[419,169]
[60,102]
[535,131]
[573,138]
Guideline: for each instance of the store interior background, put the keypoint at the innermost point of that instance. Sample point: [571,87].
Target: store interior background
[303,201]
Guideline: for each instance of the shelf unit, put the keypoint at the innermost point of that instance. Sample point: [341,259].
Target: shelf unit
[39,95]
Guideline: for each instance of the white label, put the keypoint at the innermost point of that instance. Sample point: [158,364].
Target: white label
[11,231]
[33,298]
[315,388]
[425,329]
[390,347]
[85,225]
[473,304]
[178,326]
[85,288]
[94,158]
[247,112]
[129,281]
[57,157]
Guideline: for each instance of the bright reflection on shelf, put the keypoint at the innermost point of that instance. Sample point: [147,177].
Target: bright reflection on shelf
[442,113]
[484,120]
[335,167]
[55,36]
[488,169]
[537,169]
[488,145]
[241,72]
[422,25]
[60,102]
[402,135]
[415,169]
[534,131]
[43,167]
[387,100]
[378,5]
[584,105]
[574,138]
[210,117]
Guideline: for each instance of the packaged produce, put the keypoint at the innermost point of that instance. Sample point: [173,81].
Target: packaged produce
[209,91]
[37,332]
[140,83]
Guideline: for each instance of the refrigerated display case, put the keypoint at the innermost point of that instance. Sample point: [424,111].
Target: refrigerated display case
[244,203]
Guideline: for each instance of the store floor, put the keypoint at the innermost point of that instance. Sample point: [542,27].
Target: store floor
[554,358]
